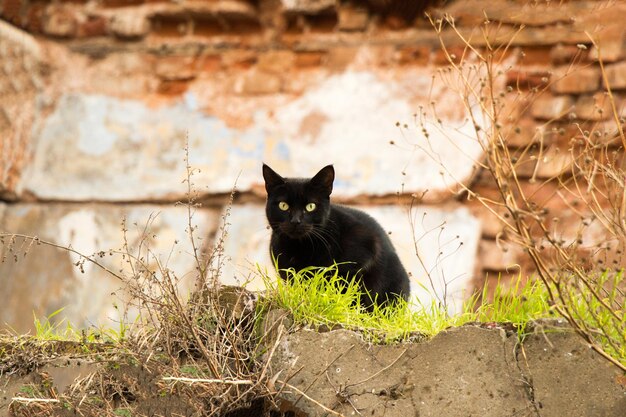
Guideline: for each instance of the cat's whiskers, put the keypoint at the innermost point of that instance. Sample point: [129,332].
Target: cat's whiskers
[327,231]
[318,233]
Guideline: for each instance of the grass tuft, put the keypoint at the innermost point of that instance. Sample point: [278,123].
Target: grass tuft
[320,297]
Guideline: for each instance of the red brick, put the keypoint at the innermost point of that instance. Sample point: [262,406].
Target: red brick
[239,58]
[339,58]
[258,83]
[379,55]
[538,55]
[120,3]
[173,88]
[353,18]
[513,106]
[499,255]
[35,17]
[616,75]
[209,63]
[310,59]
[593,107]
[324,22]
[308,7]
[12,10]
[455,52]
[170,26]
[606,133]
[419,55]
[558,134]
[527,79]
[93,26]
[207,26]
[576,80]
[276,61]
[566,54]
[544,164]
[491,225]
[176,68]
[395,22]
[549,107]
[60,21]
[131,24]
[243,26]
[611,50]
[521,133]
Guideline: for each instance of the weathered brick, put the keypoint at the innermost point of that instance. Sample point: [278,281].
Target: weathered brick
[498,255]
[170,25]
[606,133]
[616,75]
[11,10]
[543,163]
[395,22]
[130,24]
[535,55]
[256,82]
[120,3]
[413,55]
[209,63]
[611,50]
[565,54]
[352,18]
[308,6]
[86,228]
[93,26]
[575,80]
[323,22]
[455,53]
[521,133]
[173,87]
[527,79]
[529,14]
[491,223]
[310,58]
[549,107]
[239,58]
[60,21]
[34,18]
[339,58]
[176,68]
[208,26]
[558,134]
[593,107]
[276,61]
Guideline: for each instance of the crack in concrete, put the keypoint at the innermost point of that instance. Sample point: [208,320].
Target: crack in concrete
[527,380]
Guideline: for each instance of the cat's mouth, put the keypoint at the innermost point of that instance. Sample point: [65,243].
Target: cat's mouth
[296,231]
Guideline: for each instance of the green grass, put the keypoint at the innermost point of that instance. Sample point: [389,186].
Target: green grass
[319,297]
[518,304]
[49,328]
[599,307]
[313,298]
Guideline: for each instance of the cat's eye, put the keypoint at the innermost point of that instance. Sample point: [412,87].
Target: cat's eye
[310,207]
[283,206]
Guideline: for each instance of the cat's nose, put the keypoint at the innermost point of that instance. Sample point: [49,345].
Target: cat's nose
[296,219]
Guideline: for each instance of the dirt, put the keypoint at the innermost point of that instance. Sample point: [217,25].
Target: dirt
[466,371]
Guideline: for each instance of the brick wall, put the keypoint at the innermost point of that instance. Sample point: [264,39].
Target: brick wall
[228,60]
[21,78]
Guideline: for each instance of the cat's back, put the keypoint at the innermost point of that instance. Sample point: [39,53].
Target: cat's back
[353,219]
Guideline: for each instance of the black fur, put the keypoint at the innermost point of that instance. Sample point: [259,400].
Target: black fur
[330,233]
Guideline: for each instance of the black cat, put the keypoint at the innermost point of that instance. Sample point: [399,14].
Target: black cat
[307,230]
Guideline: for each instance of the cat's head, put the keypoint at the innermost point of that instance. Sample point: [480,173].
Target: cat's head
[296,207]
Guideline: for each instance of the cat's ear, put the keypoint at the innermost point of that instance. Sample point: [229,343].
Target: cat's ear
[323,180]
[272,179]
